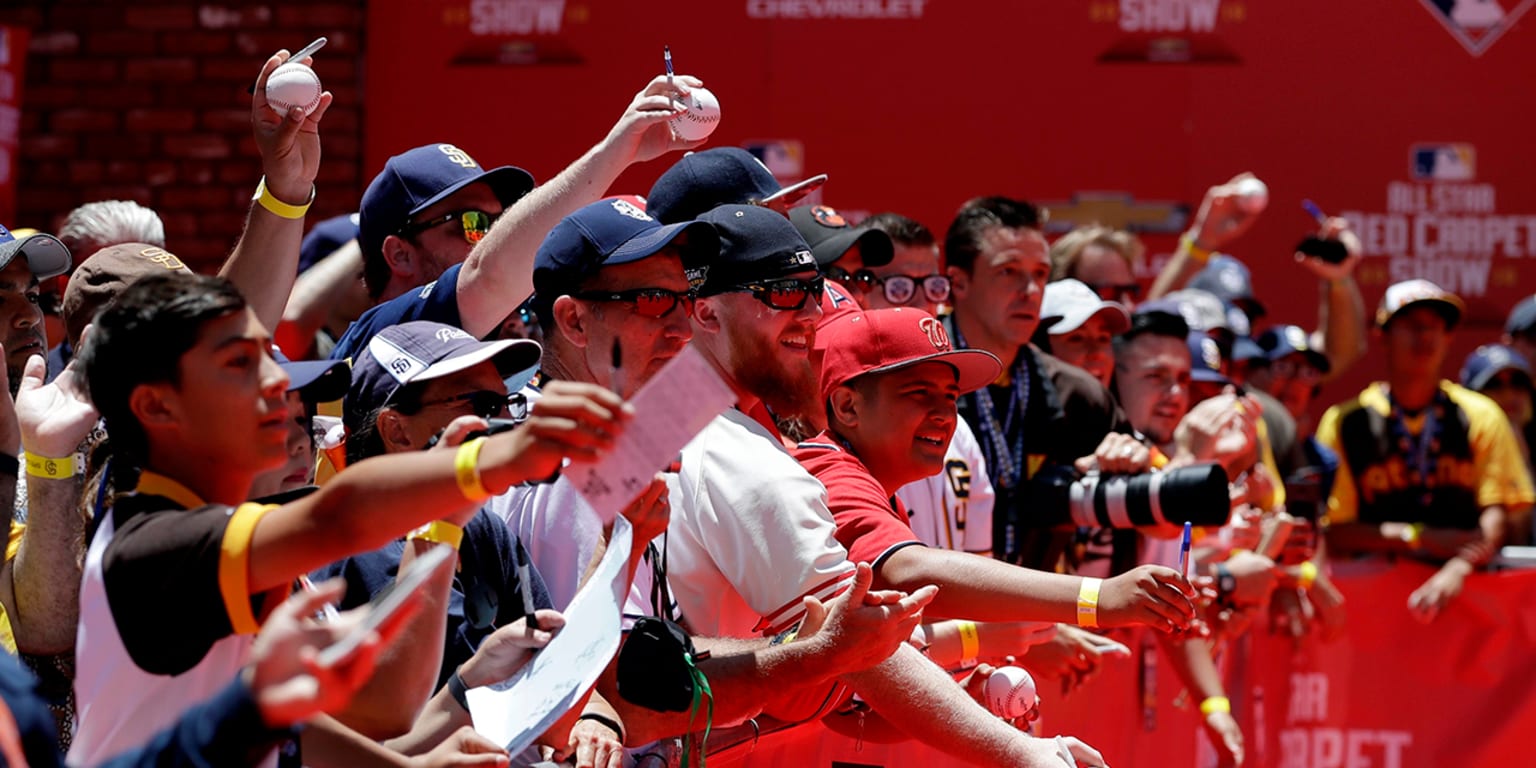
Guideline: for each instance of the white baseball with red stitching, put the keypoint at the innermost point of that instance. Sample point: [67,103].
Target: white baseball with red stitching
[293,85]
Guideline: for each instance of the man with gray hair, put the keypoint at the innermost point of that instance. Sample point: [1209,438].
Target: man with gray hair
[94,226]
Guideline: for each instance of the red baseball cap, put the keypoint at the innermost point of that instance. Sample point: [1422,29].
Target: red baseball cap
[881,340]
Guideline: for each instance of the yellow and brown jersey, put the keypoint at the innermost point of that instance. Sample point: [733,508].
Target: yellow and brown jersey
[1440,466]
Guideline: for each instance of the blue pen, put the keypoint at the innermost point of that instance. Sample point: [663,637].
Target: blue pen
[1184,551]
[1314,211]
[666,55]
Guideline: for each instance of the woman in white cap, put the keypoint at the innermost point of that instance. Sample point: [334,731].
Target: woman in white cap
[1081,327]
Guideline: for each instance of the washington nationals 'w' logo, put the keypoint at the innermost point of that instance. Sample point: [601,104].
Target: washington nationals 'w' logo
[936,334]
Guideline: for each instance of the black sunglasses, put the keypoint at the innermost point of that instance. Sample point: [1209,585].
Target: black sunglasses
[862,281]
[473,224]
[485,403]
[787,294]
[649,302]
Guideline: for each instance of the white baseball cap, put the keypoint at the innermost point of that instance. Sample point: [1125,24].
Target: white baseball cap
[1071,303]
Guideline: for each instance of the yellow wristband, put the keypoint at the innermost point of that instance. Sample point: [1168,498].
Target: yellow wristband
[265,199]
[1216,704]
[466,469]
[1307,575]
[438,532]
[1411,535]
[53,469]
[1196,253]
[1088,603]
[970,642]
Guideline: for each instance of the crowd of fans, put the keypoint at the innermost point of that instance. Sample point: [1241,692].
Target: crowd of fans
[949,453]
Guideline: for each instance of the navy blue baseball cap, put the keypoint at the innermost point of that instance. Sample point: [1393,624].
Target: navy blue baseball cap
[1205,358]
[830,236]
[46,255]
[416,180]
[755,244]
[1230,281]
[421,351]
[1490,360]
[316,381]
[724,175]
[608,232]
[324,238]
[1522,319]
[1281,340]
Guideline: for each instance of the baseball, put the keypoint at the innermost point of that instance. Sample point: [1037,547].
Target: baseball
[702,117]
[293,85]
[1010,692]
[1252,195]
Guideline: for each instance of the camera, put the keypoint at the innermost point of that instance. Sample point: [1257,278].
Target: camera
[1195,494]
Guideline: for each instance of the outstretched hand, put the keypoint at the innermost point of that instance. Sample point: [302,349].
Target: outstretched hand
[53,418]
[289,145]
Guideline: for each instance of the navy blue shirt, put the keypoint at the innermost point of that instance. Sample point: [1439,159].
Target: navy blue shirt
[487,574]
[437,301]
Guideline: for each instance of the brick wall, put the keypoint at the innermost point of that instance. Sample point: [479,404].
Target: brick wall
[147,101]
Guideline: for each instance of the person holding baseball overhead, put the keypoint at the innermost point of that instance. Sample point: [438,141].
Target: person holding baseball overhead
[446,241]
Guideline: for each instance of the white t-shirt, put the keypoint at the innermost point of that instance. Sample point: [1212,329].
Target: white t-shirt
[750,534]
[953,509]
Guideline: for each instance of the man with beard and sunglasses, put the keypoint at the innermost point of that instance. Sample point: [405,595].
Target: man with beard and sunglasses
[444,240]
[751,537]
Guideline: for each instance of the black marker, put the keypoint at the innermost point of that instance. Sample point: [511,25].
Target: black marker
[617,379]
[525,581]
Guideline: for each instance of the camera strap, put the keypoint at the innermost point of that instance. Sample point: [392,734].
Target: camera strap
[661,605]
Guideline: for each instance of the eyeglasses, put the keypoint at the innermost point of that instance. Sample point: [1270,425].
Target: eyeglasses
[787,294]
[649,302]
[1121,292]
[474,224]
[485,403]
[1290,369]
[862,281]
[899,289]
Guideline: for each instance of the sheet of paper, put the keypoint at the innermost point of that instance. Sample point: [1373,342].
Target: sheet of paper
[517,711]
[670,409]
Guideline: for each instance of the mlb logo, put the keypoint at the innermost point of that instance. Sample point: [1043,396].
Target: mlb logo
[1443,162]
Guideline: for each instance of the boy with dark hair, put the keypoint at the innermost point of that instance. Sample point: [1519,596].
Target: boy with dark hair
[180,568]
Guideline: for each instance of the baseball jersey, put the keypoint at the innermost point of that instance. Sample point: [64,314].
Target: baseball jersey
[953,509]
[1439,467]
[166,614]
[750,534]
[870,524]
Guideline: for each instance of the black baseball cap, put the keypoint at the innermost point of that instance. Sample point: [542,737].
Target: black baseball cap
[720,176]
[830,236]
[755,244]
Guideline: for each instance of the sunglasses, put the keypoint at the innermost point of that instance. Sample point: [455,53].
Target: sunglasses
[862,281]
[899,289]
[649,302]
[474,224]
[1290,369]
[485,403]
[1122,292]
[787,294]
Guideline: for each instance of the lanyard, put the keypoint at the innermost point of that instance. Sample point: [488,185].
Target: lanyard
[994,434]
[1421,452]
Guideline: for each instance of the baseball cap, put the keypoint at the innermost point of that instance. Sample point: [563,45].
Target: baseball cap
[1522,319]
[1202,310]
[830,236]
[46,255]
[1490,360]
[882,340]
[417,179]
[755,244]
[1152,318]
[605,233]
[1228,279]
[1412,293]
[324,238]
[316,381]
[835,302]
[700,181]
[101,277]
[1205,358]
[1072,302]
[421,351]
[1281,340]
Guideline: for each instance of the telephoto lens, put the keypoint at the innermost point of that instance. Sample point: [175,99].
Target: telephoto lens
[1195,494]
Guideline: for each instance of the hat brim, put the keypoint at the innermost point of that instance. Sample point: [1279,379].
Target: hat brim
[974,368]
[1449,307]
[46,255]
[1075,316]
[1209,376]
[319,381]
[875,248]
[789,196]
[510,356]
[702,247]
[508,182]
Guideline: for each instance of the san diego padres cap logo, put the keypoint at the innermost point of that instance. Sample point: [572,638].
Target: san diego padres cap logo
[162,257]
[828,217]
[458,155]
[935,332]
